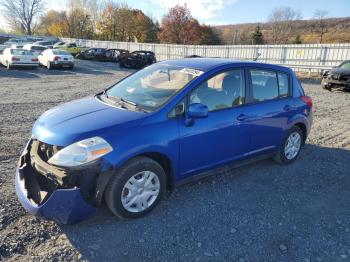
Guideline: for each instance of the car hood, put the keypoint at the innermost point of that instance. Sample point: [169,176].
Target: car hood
[80,119]
[340,71]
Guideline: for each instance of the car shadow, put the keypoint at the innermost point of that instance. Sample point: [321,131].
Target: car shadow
[81,68]
[222,213]
[24,73]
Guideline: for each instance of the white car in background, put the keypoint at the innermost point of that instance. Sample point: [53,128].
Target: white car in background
[51,58]
[2,48]
[12,57]
[14,41]
[16,46]
[36,49]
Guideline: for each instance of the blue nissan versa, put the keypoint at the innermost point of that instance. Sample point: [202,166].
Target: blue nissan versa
[158,128]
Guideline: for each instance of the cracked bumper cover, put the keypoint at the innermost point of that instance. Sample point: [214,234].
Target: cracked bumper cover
[63,205]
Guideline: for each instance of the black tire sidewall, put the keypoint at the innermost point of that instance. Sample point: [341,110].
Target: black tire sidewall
[282,156]
[114,190]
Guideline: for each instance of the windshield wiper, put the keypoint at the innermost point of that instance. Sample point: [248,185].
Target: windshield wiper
[127,104]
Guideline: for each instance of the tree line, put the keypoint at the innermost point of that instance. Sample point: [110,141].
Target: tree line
[113,21]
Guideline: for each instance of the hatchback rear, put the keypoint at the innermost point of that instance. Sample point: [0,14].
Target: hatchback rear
[160,127]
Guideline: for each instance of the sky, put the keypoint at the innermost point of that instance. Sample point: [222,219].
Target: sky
[217,12]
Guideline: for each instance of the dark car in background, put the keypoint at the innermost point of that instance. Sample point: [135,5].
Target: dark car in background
[338,77]
[48,44]
[137,59]
[102,54]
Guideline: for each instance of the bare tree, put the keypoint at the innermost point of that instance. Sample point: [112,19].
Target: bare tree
[321,25]
[280,19]
[22,14]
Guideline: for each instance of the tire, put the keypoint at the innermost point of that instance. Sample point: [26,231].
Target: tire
[285,157]
[328,87]
[117,191]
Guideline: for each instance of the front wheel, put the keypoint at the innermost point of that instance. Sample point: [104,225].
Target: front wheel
[136,189]
[290,147]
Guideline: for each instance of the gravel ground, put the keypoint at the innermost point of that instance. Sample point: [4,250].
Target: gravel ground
[260,212]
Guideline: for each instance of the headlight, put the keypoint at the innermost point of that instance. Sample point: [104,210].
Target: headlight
[81,152]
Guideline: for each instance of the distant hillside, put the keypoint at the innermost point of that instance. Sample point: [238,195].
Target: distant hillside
[337,31]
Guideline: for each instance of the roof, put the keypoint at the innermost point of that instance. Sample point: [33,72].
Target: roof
[206,64]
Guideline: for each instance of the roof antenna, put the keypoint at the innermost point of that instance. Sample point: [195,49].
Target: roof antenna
[257,57]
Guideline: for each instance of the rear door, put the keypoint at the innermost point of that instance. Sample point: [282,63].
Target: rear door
[271,105]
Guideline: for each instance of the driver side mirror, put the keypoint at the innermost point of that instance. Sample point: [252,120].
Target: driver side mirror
[197,110]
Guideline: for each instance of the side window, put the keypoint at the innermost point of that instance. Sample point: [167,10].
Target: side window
[267,85]
[283,83]
[224,90]
[264,85]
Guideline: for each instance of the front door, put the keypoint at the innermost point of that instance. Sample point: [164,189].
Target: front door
[224,135]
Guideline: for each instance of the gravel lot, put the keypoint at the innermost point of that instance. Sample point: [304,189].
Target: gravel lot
[260,212]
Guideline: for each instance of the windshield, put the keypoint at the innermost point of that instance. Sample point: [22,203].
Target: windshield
[153,86]
[345,65]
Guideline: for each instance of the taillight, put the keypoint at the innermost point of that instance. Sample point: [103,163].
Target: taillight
[35,59]
[15,58]
[307,100]
[56,58]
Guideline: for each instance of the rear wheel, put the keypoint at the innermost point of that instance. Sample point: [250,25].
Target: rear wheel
[291,146]
[136,189]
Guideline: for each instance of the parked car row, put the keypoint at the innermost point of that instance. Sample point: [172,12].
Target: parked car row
[102,54]
[26,57]
[136,59]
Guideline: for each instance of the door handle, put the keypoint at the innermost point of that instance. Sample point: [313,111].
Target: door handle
[287,108]
[242,117]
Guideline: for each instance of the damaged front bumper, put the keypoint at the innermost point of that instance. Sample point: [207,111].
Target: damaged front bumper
[65,206]
[56,194]
[330,83]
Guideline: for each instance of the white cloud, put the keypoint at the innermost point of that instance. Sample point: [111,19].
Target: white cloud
[204,10]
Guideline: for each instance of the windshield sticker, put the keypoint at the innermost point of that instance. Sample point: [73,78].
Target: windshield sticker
[191,71]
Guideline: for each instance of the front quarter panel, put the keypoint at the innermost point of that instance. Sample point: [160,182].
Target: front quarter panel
[152,136]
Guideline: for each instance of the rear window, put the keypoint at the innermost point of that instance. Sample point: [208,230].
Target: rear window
[20,52]
[60,52]
[38,48]
[267,85]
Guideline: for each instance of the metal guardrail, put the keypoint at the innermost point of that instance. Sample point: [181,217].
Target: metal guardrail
[305,57]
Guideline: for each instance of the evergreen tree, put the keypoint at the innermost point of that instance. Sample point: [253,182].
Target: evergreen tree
[257,37]
[297,40]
